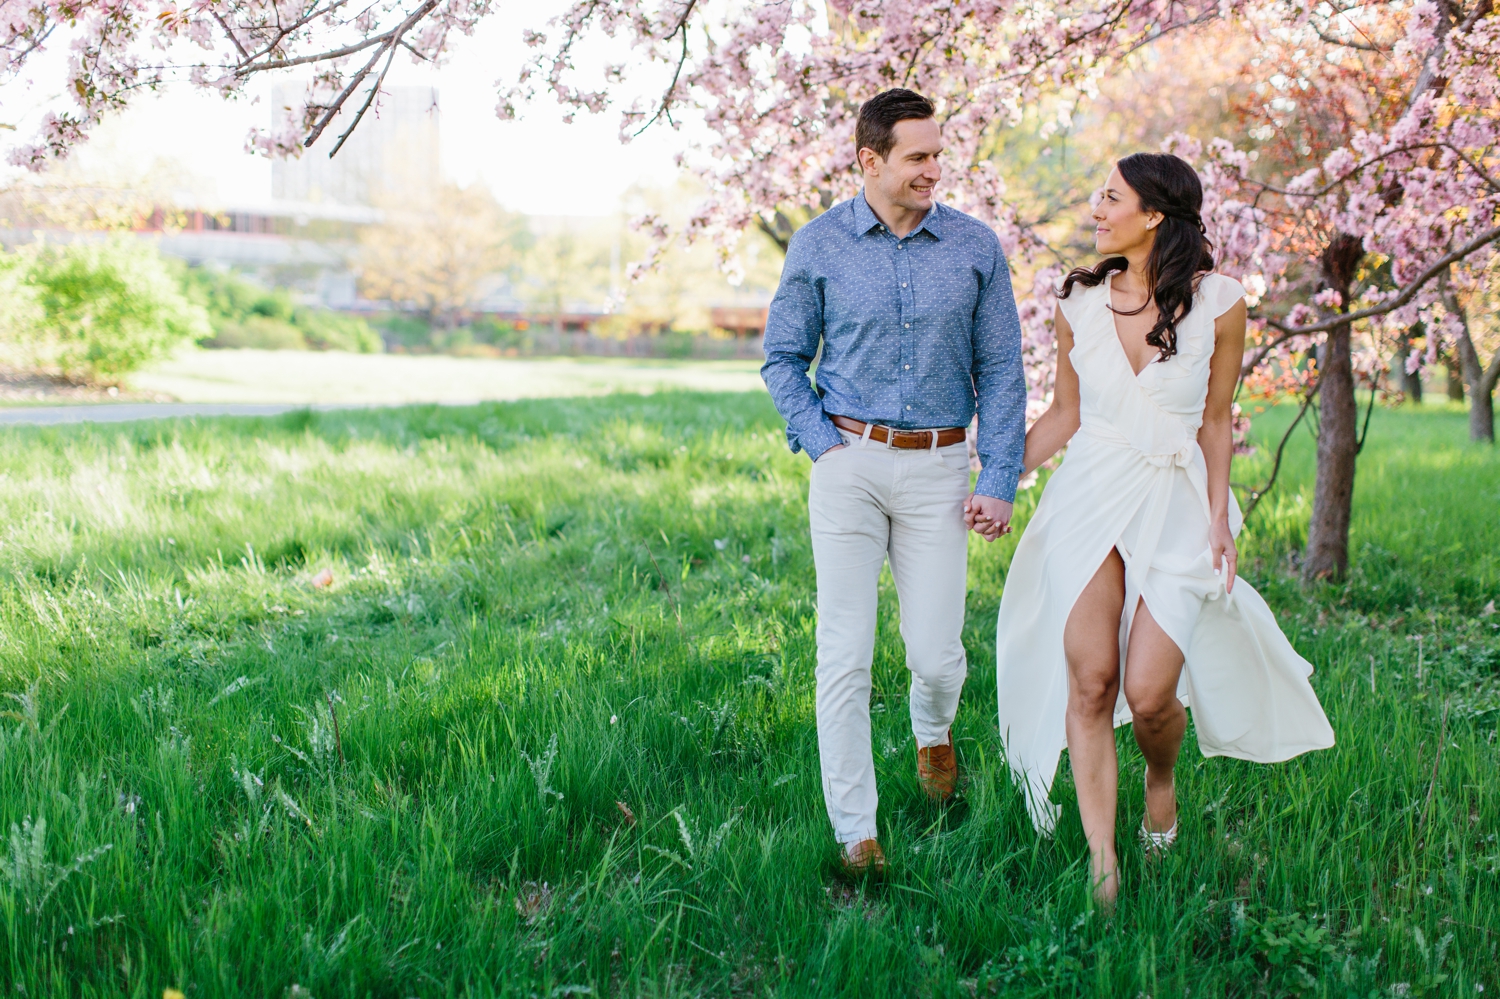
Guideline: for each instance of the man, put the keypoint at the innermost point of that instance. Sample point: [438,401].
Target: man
[911,304]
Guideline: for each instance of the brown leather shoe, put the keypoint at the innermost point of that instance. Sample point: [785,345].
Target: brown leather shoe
[864,859]
[937,770]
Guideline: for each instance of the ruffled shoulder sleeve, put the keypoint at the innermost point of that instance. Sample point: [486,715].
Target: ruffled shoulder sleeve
[1220,293]
[1079,305]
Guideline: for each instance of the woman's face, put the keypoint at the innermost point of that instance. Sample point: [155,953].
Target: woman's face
[1120,225]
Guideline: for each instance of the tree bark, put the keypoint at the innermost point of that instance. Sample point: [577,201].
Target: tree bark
[1328,533]
[1327,555]
[1410,381]
[1481,383]
[1455,380]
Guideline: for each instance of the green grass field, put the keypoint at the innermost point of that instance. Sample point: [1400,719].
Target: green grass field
[549,730]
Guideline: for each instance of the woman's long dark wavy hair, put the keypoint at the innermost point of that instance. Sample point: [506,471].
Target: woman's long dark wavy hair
[1169,185]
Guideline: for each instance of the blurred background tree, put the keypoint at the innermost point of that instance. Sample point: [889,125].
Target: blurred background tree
[567,268]
[439,254]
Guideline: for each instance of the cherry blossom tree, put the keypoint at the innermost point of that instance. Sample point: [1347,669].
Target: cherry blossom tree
[778,87]
[1369,240]
[1375,204]
[1351,238]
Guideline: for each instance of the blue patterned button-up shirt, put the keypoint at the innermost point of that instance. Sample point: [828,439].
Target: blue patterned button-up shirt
[915,332]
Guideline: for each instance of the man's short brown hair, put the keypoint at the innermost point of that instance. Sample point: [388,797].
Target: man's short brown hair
[878,116]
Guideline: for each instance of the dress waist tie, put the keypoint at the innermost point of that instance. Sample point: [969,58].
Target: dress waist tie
[1165,465]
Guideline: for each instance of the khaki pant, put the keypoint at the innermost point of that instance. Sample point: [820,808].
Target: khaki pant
[868,503]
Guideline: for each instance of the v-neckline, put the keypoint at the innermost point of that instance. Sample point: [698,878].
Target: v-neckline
[1114,325]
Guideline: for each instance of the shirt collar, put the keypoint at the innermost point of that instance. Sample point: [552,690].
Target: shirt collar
[932,222]
[865,219]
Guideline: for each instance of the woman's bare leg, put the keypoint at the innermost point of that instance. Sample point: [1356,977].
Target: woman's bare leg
[1153,664]
[1091,642]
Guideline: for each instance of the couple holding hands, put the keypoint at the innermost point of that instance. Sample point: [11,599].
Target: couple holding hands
[1121,602]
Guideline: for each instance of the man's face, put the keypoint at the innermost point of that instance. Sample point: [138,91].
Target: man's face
[909,175]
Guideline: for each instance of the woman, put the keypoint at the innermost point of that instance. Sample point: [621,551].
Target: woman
[1126,573]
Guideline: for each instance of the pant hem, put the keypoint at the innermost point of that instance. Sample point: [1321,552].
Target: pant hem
[849,839]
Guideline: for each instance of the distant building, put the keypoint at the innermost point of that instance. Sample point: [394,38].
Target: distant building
[741,320]
[304,246]
[304,235]
[394,151]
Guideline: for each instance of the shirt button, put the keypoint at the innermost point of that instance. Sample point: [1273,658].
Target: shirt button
[908,325]
[903,284]
[908,408]
[907,367]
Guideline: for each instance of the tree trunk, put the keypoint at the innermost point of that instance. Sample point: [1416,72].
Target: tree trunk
[1481,398]
[1328,533]
[1481,384]
[1455,380]
[1482,416]
[1327,555]
[1410,381]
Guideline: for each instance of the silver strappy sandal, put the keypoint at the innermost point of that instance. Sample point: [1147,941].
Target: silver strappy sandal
[1157,841]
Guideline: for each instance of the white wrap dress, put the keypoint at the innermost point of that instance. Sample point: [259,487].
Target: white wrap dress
[1135,479]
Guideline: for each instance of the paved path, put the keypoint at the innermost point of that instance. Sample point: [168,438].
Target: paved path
[126,411]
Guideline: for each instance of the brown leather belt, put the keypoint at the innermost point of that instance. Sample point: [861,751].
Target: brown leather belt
[907,439]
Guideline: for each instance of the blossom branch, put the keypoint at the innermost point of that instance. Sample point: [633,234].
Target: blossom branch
[369,99]
[1257,494]
[393,38]
[1349,43]
[665,109]
[1360,167]
[282,32]
[229,33]
[339,53]
[1405,295]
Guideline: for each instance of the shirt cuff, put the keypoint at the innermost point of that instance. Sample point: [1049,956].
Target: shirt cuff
[999,483]
[822,437]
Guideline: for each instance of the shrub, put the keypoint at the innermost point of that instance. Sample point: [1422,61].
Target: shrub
[325,330]
[259,332]
[20,307]
[244,314]
[97,310]
[499,334]
[405,330]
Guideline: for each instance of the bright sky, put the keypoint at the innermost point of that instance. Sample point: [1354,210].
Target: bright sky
[538,165]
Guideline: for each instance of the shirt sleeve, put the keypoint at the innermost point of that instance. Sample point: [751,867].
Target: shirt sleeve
[794,330]
[999,385]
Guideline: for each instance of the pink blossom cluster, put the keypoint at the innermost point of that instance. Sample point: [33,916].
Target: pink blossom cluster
[120,48]
[1419,185]
[778,86]
[1415,175]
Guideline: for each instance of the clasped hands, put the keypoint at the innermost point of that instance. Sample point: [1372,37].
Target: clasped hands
[987,516]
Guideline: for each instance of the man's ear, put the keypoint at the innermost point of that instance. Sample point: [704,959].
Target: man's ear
[871,163]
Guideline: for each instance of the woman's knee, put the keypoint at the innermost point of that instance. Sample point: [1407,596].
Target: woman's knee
[1152,708]
[1094,692]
